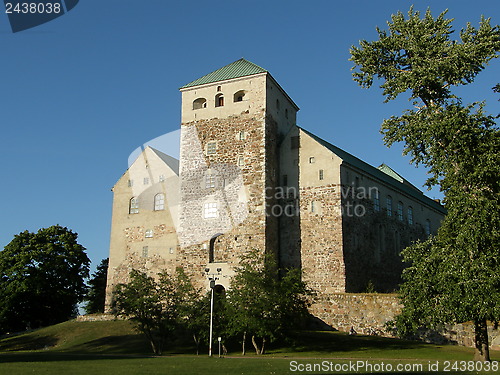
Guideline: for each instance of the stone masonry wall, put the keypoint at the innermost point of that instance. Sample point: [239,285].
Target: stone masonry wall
[367,313]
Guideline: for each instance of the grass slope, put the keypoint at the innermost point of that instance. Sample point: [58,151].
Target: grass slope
[114,347]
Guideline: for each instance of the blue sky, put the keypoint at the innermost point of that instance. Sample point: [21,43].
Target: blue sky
[80,93]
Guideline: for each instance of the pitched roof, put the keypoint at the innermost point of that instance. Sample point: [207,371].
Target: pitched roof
[396,183]
[237,69]
[172,163]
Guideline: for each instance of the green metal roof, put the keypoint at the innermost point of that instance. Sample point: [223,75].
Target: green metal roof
[379,174]
[391,172]
[237,69]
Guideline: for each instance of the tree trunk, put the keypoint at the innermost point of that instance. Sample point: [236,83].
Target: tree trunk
[197,342]
[482,352]
[243,349]
[257,350]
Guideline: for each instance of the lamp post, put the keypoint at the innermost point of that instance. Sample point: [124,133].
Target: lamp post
[212,277]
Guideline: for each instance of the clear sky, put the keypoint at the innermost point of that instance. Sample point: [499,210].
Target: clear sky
[80,93]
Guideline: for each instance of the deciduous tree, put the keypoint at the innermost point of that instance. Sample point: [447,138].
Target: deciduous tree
[41,278]
[455,276]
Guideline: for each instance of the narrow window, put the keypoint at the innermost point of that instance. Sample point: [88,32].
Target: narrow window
[211,148]
[171,250]
[200,103]
[312,160]
[218,88]
[286,113]
[161,178]
[376,201]
[148,233]
[133,206]
[241,161]
[146,180]
[428,227]
[209,181]
[400,211]
[242,136]
[130,183]
[410,215]
[159,202]
[321,174]
[219,100]
[313,206]
[210,210]
[145,251]
[389,205]
[285,180]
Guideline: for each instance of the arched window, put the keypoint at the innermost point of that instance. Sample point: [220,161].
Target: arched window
[219,100]
[428,227]
[239,96]
[200,103]
[410,215]
[159,202]
[389,205]
[400,211]
[376,201]
[133,207]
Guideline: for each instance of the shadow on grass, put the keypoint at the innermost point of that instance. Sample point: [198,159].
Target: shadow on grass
[314,341]
[58,357]
[118,344]
[28,343]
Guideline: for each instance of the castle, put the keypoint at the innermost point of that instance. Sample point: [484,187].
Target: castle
[248,177]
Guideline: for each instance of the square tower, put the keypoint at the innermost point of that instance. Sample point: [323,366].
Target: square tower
[233,121]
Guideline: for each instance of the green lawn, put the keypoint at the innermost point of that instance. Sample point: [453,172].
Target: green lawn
[115,348]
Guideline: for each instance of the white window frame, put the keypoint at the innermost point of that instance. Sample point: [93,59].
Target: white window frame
[211,148]
[159,201]
[210,210]
[133,206]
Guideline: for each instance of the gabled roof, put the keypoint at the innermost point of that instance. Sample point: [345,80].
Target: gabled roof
[237,69]
[383,176]
[173,163]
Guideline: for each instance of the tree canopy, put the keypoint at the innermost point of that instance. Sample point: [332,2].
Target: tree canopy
[41,278]
[96,295]
[265,302]
[455,276]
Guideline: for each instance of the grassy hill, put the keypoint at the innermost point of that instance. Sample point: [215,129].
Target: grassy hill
[109,347]
[110,337]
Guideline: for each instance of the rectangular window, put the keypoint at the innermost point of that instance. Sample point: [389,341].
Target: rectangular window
[376,202]
[242,136]
[400,211]
[211,148]
[159,202]
[321,174]
[171,250]
[313,206]
[148,233]
[241,161]
[428,227]
[209,181]
[146,180]
[389,205]
[161,178]
[295,142]
[312,160]
[210,210]
[410,215]
[145,251]
[130,183]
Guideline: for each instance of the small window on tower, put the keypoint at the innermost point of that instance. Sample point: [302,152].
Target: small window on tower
[242,136]
[148,233]
[219,88]
[239,96]
[241,161]
[219,100]
[211,148]
[200,103]
[321,174]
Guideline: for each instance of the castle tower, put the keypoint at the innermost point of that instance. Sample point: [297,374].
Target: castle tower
[233,121]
